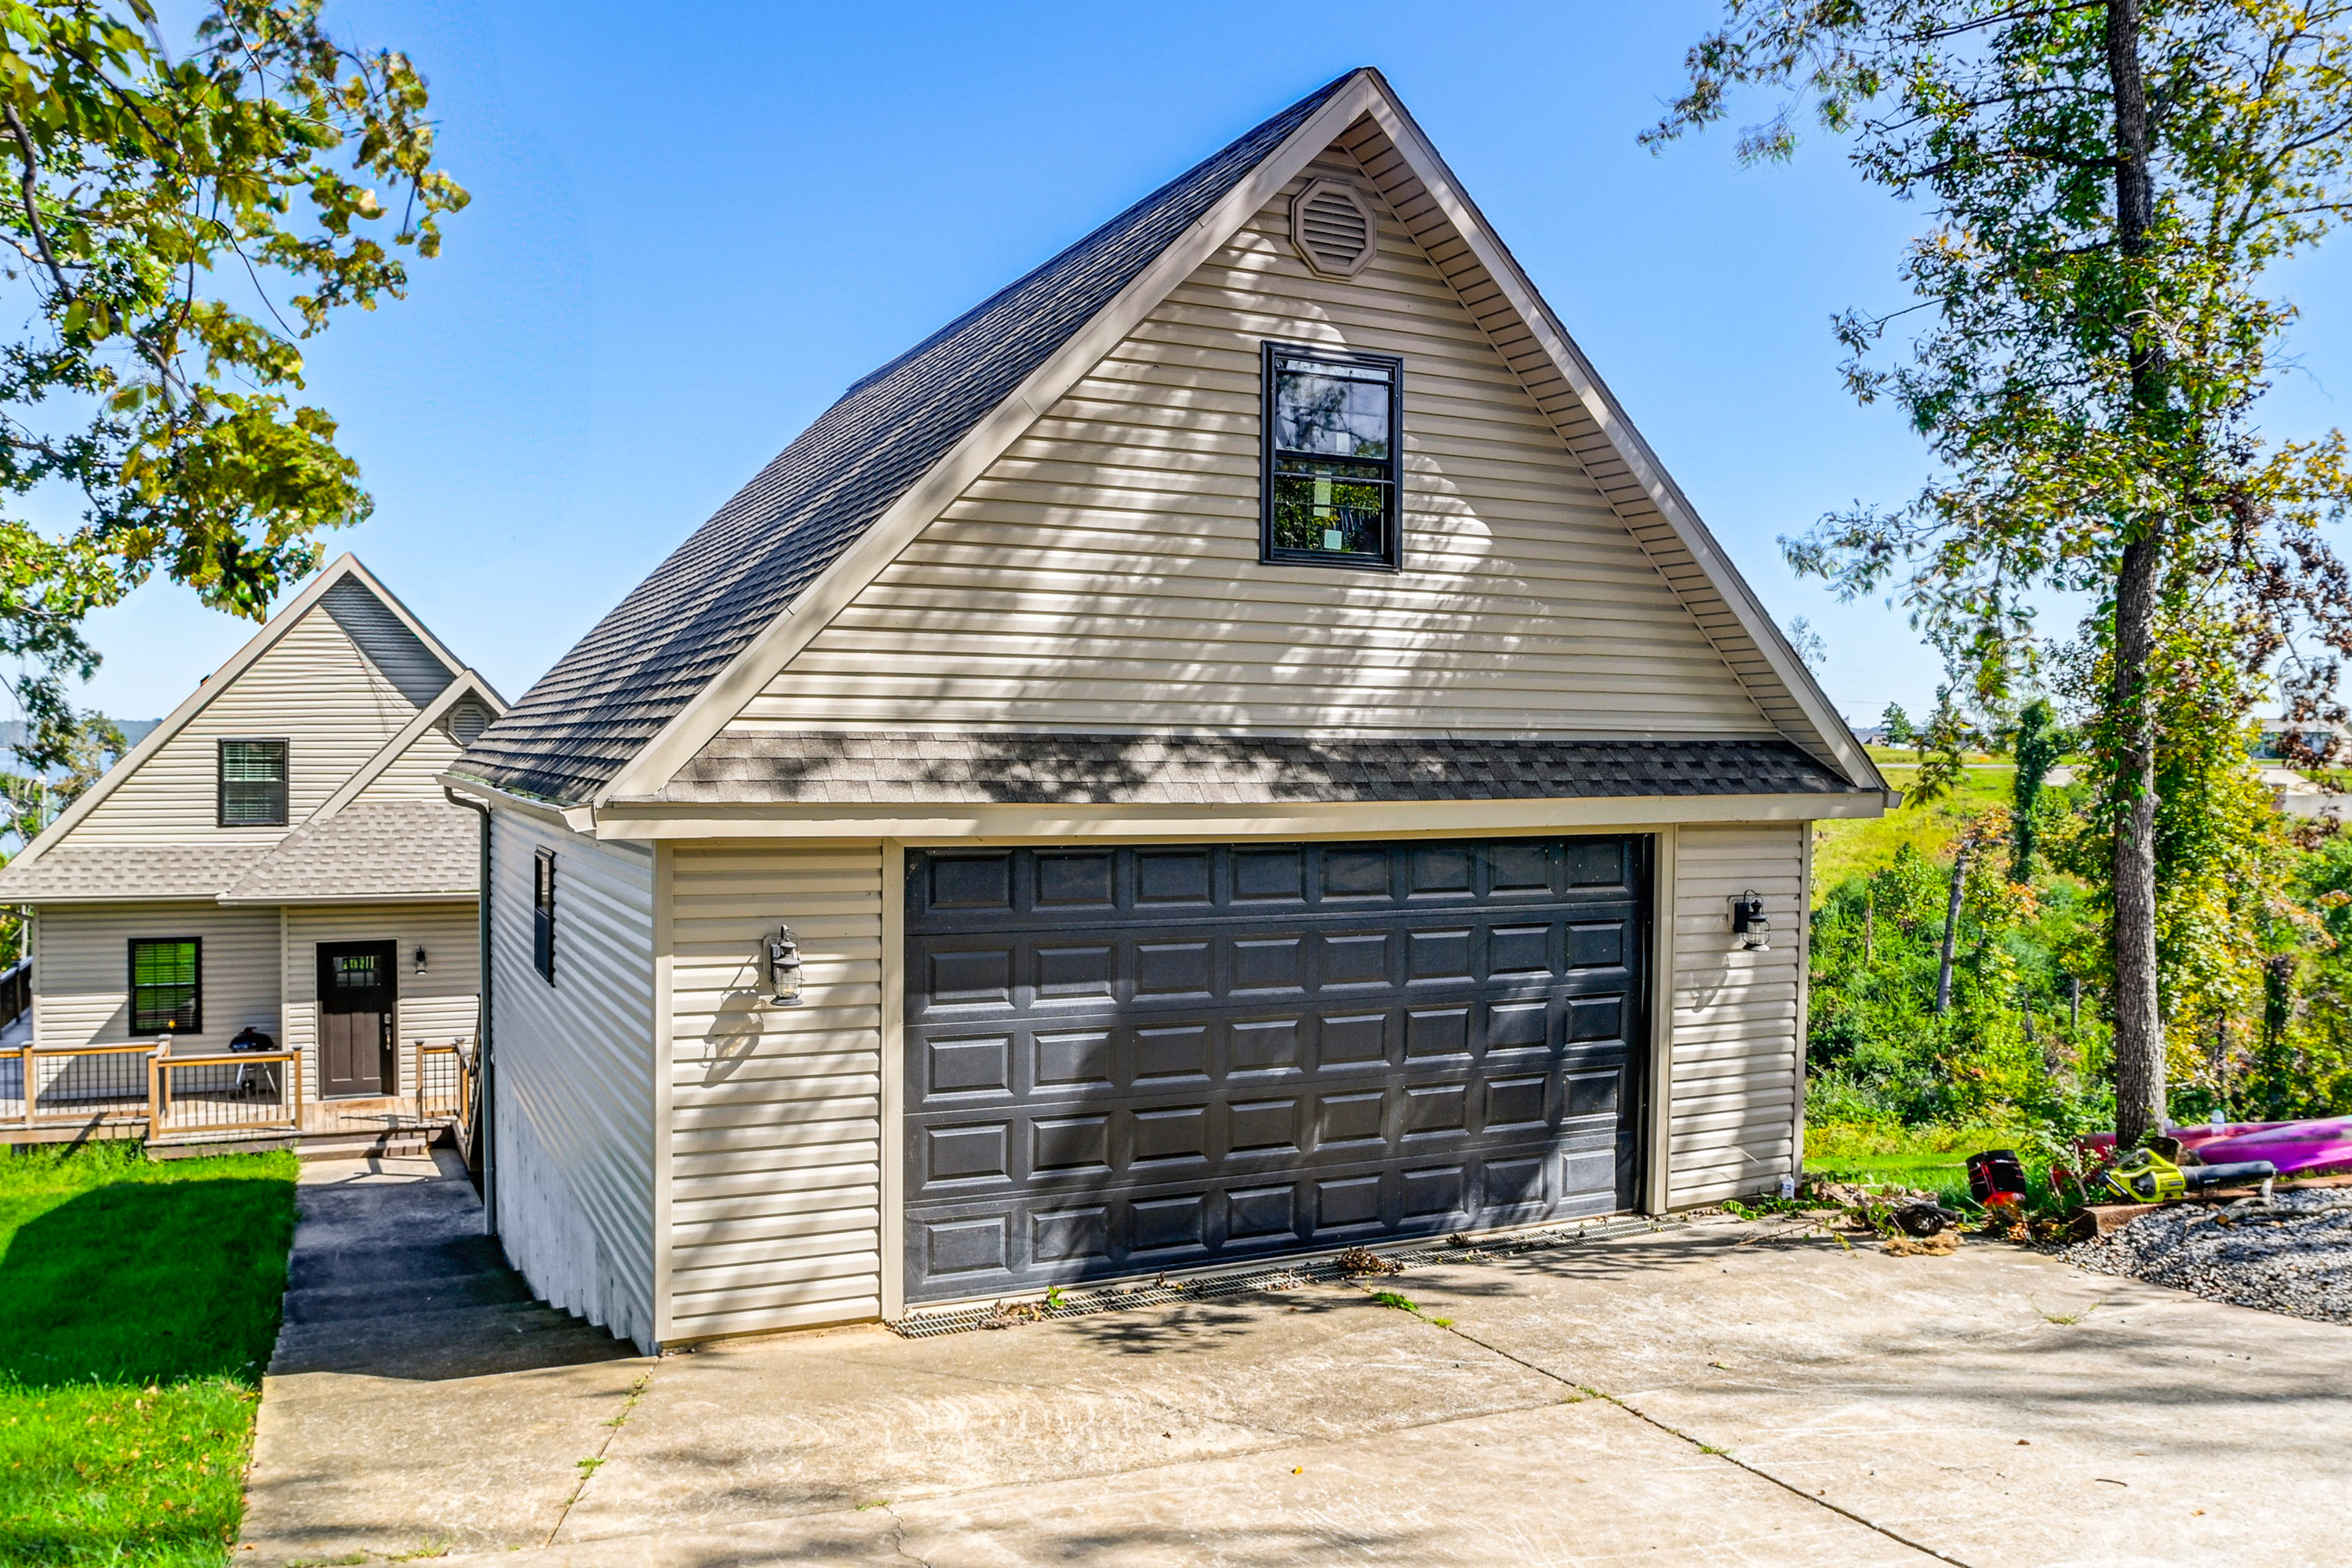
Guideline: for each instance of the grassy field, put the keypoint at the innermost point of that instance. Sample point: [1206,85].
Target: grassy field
[1850,849]
[138,1306]
[1933,1160]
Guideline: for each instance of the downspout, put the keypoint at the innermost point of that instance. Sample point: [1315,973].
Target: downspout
[485,1116]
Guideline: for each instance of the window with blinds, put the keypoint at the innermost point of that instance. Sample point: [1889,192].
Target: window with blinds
[253,783]
[167,986]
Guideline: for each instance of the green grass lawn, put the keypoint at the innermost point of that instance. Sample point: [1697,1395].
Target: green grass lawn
[1932,1159]
[138,1306]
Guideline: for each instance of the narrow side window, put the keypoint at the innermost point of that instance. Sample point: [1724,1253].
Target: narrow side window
[167,986]
[543,914]
[1332,428]
[252,776]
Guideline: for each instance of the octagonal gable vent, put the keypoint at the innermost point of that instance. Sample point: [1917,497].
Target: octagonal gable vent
[466,721]
[1334,228]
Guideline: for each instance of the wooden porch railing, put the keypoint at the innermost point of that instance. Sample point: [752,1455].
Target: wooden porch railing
[122,1089]
[91,1086]
[234,1091]
[445,1086]
[117,1090]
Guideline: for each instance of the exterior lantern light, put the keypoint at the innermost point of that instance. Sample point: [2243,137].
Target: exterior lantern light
[784,963]
[420,958]
[1752,924]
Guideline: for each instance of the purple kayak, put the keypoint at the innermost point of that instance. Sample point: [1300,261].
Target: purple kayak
[2197,1135]
[2294,1147]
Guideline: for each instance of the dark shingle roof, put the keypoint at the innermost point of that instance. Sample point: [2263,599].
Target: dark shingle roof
[1201,770]
[584,720]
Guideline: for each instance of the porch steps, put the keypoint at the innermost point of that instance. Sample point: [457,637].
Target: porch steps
[393,1277]
[402,1144]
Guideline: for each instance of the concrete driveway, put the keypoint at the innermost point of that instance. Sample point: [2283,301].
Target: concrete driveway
[1719,1394]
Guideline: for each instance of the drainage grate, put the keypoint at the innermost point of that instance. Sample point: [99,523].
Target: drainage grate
[1124,1295]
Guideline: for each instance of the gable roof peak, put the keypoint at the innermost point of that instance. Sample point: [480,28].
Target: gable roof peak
[635,697]
[624,683]
[344,573]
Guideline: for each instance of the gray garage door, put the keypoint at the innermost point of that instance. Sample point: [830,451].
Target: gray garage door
[1142,1059]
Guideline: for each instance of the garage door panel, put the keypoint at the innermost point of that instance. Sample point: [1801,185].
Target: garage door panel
[967,976]
[1149,1057]
[973,890]
[985,1249]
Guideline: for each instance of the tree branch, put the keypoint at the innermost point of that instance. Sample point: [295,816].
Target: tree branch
[32,189]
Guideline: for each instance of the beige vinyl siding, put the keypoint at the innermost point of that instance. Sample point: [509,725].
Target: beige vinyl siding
[313,689]
[573,1070]
[775,1194]
[410,775]
[81,974]
[1733,1116]
[436,1008]
[1612,455]
[1103,575]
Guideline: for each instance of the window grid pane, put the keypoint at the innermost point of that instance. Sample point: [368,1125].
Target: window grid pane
[1332,482]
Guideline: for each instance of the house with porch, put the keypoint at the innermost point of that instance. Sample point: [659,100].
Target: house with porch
[1232,748]
[272,887]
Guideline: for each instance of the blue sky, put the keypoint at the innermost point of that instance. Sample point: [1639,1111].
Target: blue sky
[694,224]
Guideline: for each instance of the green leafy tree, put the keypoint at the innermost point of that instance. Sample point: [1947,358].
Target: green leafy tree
[171,227]
[2109,180]
[2035,748]
[2300,1063]
[1897,724]
[1878,1050]
[1944,743]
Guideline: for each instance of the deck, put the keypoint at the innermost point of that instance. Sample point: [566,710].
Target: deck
[243,1099]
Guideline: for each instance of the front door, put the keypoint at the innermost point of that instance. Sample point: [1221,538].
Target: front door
[355,1003]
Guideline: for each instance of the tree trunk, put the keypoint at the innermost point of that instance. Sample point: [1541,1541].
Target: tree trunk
[2139,1031]
[1951,930]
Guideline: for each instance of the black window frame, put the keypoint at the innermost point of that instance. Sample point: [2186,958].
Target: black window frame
[1391,555]
[543,914]
[220,779]
[144,1023]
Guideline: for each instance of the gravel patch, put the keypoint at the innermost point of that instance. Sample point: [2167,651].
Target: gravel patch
[2292,1256]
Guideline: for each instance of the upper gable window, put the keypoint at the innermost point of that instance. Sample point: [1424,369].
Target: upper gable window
[1333,425]
[253,783]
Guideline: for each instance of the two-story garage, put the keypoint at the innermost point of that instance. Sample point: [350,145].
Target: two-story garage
[1232,747]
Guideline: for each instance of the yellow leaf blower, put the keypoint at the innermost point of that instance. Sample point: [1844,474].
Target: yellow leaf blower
[2145,1176]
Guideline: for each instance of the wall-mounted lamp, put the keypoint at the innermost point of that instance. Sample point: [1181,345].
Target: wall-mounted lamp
[784,952]
[1748,919]
[420,958]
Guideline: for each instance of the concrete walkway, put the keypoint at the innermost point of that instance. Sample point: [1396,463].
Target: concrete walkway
[414,1377]
[1719,1394]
